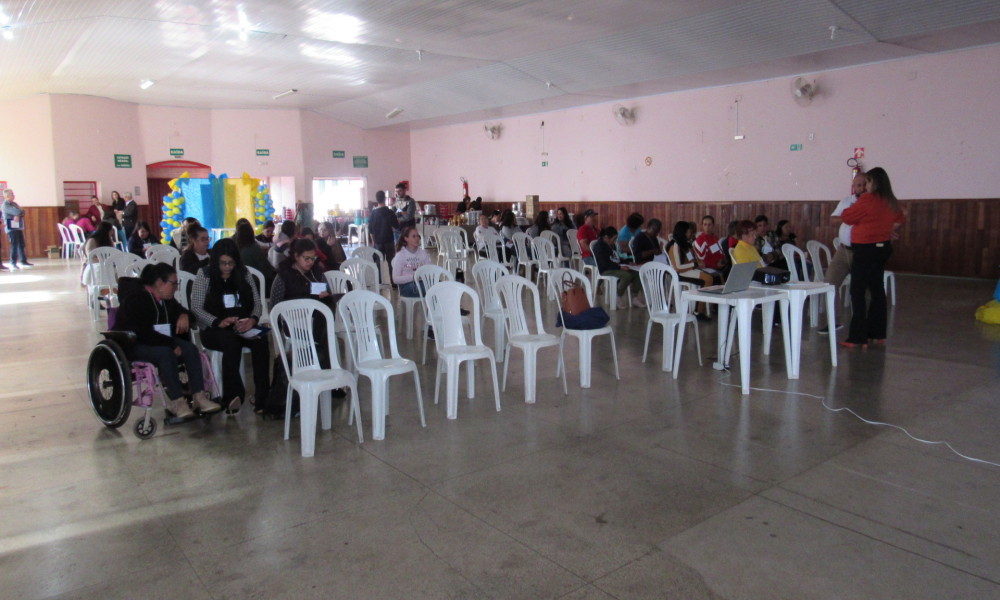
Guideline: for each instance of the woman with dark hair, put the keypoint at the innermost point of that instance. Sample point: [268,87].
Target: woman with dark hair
[463,205]
[873,218]
[282,243]
[227,308]
[158,321]
[477,204]
[101,238]
[541,224]
[561,225]
[195,256]
[330,245]
[306,233]
[632,226]
[299,275]
[141,239]
[684,261]
[609,263]
[266,238]
[409,257]
[252,254]
[117,203]
[508,227]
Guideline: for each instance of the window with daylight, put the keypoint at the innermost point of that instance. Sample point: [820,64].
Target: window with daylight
[337,194]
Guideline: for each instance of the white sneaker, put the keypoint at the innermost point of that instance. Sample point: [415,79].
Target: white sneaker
[622,303]
[638,302]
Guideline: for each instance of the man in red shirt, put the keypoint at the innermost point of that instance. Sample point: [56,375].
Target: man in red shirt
[586,234]
[707,245]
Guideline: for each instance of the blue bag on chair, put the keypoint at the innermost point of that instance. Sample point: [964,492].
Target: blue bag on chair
[996,292]
[592,318]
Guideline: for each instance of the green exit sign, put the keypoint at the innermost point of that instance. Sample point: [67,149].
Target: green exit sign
[263,152]
[177,152]
[360,162]
[123,161]
[545,163]
[795,147]
[339,154]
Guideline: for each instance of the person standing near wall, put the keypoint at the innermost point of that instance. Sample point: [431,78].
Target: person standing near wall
[13,217]
[874,217]
[130,215]
[382,224]
[840,265]
[406,207]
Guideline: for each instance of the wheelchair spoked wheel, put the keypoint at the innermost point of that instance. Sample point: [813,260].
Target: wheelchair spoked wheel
[109,382]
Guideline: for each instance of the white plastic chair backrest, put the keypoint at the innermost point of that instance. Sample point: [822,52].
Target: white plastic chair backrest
[545,252]
[102,266]
[521,241]
[836,243]
[450,242]
[64,233]
[816,250]
[463,233]
[367,253]
[123,261]
[553,238]
[791,252]
[556,281]
[658,290]
[363,270]
[574,244]
[492,241]
[357,312]
[487,273]
[510,290]
[78,235]
[444,306]
[429,276]
[135,269]
[163,253]
[259,278]
[185,285]
[342,283]
[292,326]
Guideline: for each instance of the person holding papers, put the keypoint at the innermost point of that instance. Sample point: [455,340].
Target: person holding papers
[141,239]
[227,308]
[13,216]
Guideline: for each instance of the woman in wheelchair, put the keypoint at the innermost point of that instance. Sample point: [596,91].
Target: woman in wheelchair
[227,307]
[158,321]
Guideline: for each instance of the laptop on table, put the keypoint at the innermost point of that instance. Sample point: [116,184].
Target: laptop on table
[739,280]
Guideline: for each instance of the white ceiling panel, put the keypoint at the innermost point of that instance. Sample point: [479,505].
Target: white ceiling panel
[357,59]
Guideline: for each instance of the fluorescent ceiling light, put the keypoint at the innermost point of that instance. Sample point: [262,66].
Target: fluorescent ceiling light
[243,35]
[285,93]
[4,19]
[146,84]
[333,27]
[393,113]
[7,33]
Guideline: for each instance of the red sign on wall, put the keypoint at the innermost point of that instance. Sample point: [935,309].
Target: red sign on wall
[859,153]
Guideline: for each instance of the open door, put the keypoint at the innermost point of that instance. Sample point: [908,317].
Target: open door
[157,177]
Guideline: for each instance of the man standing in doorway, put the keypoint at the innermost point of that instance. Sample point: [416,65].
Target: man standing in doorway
[13,217]
[406,207]
[382,224]
[130,215]
[840,265]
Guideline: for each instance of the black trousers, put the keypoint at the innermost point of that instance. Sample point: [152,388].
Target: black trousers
[231,345]
[868,275]
[388,250]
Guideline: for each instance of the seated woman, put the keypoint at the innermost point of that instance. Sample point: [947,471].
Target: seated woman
[282,243]
[252,254]
[266,238]
[409,257]
[141,239]
[227,306]
[72,217]
[463,205]
[330,245]
[101,238]
[685,262]
[477,235]
[745,251]
[561,226]
[306,233]
[195,256]
[541,224]
[609,263]
[158,321]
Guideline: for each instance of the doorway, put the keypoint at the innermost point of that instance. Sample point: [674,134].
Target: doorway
[158,176]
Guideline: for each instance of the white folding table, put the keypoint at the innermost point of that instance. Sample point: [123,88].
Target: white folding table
[744,302]
[797,294]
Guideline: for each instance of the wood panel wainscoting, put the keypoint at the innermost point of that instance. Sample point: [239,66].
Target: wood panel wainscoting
[40,230]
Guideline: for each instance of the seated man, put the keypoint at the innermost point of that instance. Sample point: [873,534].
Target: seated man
[158,321]
[645,245]
[766,243]
[707,247]
[609,263]
[746,233]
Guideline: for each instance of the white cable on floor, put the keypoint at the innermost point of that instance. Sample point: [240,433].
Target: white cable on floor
[822,400]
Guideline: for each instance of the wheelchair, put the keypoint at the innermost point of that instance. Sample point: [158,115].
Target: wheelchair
[116,384]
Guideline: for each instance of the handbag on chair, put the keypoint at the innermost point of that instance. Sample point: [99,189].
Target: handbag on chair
[574,298]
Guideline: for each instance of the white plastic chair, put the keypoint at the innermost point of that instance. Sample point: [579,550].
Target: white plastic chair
[364,271]
[342,283]
[576,255]
[584,336]
[451,248]
[444,302]
[524,259]
[164,253]
[659,292]
[553,237]
[493,244]
[79,239]
[817,250]
[889,279]
[610,282]
[795,257]
[99,275]
[116,239]
[357,312]
[510,289]
[123,264]
[382,268]
[487,273]
[305,375]
[261,289]
[69,246]
[547,258]
[427,277]
[135,269]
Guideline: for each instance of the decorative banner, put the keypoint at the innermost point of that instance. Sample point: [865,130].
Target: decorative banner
[123,161]
[217,202]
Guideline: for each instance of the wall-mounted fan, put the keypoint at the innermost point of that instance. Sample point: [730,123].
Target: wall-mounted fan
[803,91]
[624,116]
[493,131]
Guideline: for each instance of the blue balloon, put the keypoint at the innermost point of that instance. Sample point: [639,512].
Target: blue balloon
[223,176]
[211,176]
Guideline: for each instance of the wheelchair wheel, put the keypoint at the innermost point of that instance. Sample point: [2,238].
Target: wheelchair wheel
[109,382]
[141,431]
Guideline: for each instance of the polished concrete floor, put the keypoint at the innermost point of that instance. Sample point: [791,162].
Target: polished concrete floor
[648,487]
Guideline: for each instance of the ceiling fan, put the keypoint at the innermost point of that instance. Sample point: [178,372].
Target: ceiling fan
[803,91]
[624,116]
[493,131]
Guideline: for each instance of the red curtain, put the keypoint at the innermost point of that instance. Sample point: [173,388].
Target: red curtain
[158,188]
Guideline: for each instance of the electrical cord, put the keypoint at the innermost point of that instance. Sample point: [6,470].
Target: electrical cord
[822,400]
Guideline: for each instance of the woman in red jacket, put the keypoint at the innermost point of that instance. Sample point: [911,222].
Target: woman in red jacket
[873,218]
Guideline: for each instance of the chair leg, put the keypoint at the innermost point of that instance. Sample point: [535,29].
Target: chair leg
[562,369]
[506,365]
[584,357]
[378,406]
[452,376]
[308,407]
[668,346]
[420,397]
[530,375]
[326,410]
[470,373]
[697,343]
[645,347]
[356,410]
[288,411]
[614,354]
[437,381]
[496,388]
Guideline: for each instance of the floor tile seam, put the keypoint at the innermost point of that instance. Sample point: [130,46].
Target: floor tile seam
[509,536]
[881,541]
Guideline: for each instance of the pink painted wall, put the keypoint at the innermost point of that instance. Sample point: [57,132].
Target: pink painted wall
[27,162]
[87,133]
[186,128]
[388,152]
[279,131]
[931,122]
